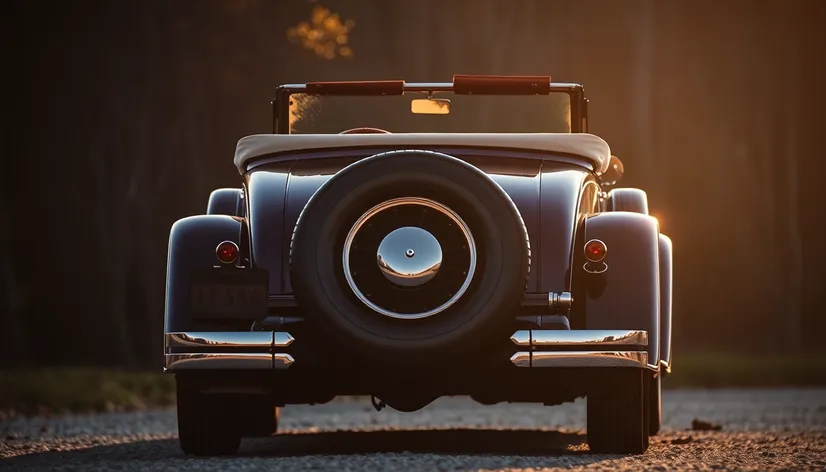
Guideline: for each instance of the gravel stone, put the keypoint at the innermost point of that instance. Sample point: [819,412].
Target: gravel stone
[762,429]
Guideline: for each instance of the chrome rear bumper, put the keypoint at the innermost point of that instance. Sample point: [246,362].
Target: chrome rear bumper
[259,350]
[248,350]
[582,348]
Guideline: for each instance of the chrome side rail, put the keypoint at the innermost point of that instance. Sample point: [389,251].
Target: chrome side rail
[199,350]
[604,348]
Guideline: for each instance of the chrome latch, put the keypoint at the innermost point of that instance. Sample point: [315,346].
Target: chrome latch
[560,303]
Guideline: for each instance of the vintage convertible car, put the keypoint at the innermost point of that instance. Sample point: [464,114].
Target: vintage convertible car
[408,266]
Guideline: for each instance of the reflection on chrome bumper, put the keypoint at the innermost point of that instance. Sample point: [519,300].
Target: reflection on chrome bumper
[580,337]
[228,360]
[251,350]
[254,339]
[605,348]
[581,359]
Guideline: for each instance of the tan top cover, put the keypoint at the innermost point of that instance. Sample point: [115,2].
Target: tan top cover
[588,146]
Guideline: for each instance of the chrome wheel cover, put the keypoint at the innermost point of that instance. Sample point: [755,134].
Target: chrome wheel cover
[410,257]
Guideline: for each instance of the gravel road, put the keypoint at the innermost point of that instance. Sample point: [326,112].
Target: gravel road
[762,429]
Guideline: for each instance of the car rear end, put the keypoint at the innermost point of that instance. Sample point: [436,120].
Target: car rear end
[409,272]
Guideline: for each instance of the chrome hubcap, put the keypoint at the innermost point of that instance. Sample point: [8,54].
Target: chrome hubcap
[409,258]
[414,266]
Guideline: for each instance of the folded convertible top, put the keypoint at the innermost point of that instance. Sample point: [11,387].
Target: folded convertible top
[591,148]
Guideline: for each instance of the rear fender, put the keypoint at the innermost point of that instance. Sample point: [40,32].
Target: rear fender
[192,243]
[627,199]
[666,278]
[226,201]
[627,294]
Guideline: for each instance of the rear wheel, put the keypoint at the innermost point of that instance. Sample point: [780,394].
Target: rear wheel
[618,414]
[205,423]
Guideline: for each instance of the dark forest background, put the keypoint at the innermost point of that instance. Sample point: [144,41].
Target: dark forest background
[122,116]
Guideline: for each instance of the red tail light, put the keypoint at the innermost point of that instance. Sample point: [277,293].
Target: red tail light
[595,250]
[227,252]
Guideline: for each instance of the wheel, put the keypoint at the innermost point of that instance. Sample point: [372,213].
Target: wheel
[655,406]
[408,257]
[617,410]
[205,423]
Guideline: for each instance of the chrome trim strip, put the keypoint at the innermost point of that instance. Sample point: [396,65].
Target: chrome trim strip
[580,337]
[522,337]
[581,359]
[521,359]
[227,361]
[282,339]
[261,339]
[595,267]
[239,360]
[282,360]
[590,359]
[665,367]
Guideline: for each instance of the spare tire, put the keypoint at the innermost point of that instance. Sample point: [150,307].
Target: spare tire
[409,256]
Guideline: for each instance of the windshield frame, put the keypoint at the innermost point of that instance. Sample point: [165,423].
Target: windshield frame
[281,102]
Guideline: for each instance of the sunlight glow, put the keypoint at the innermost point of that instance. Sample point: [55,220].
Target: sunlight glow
[325,34]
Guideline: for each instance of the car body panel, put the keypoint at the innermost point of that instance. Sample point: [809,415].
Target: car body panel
[587,148]
[546,191]
[265,196]
[627,294]
[226,201]
[666,289]
[192,243]
[560,207]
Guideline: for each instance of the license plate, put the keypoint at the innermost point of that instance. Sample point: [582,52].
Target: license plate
[228,292]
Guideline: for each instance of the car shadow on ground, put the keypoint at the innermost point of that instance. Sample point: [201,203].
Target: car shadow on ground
[439,441]
[512,448]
